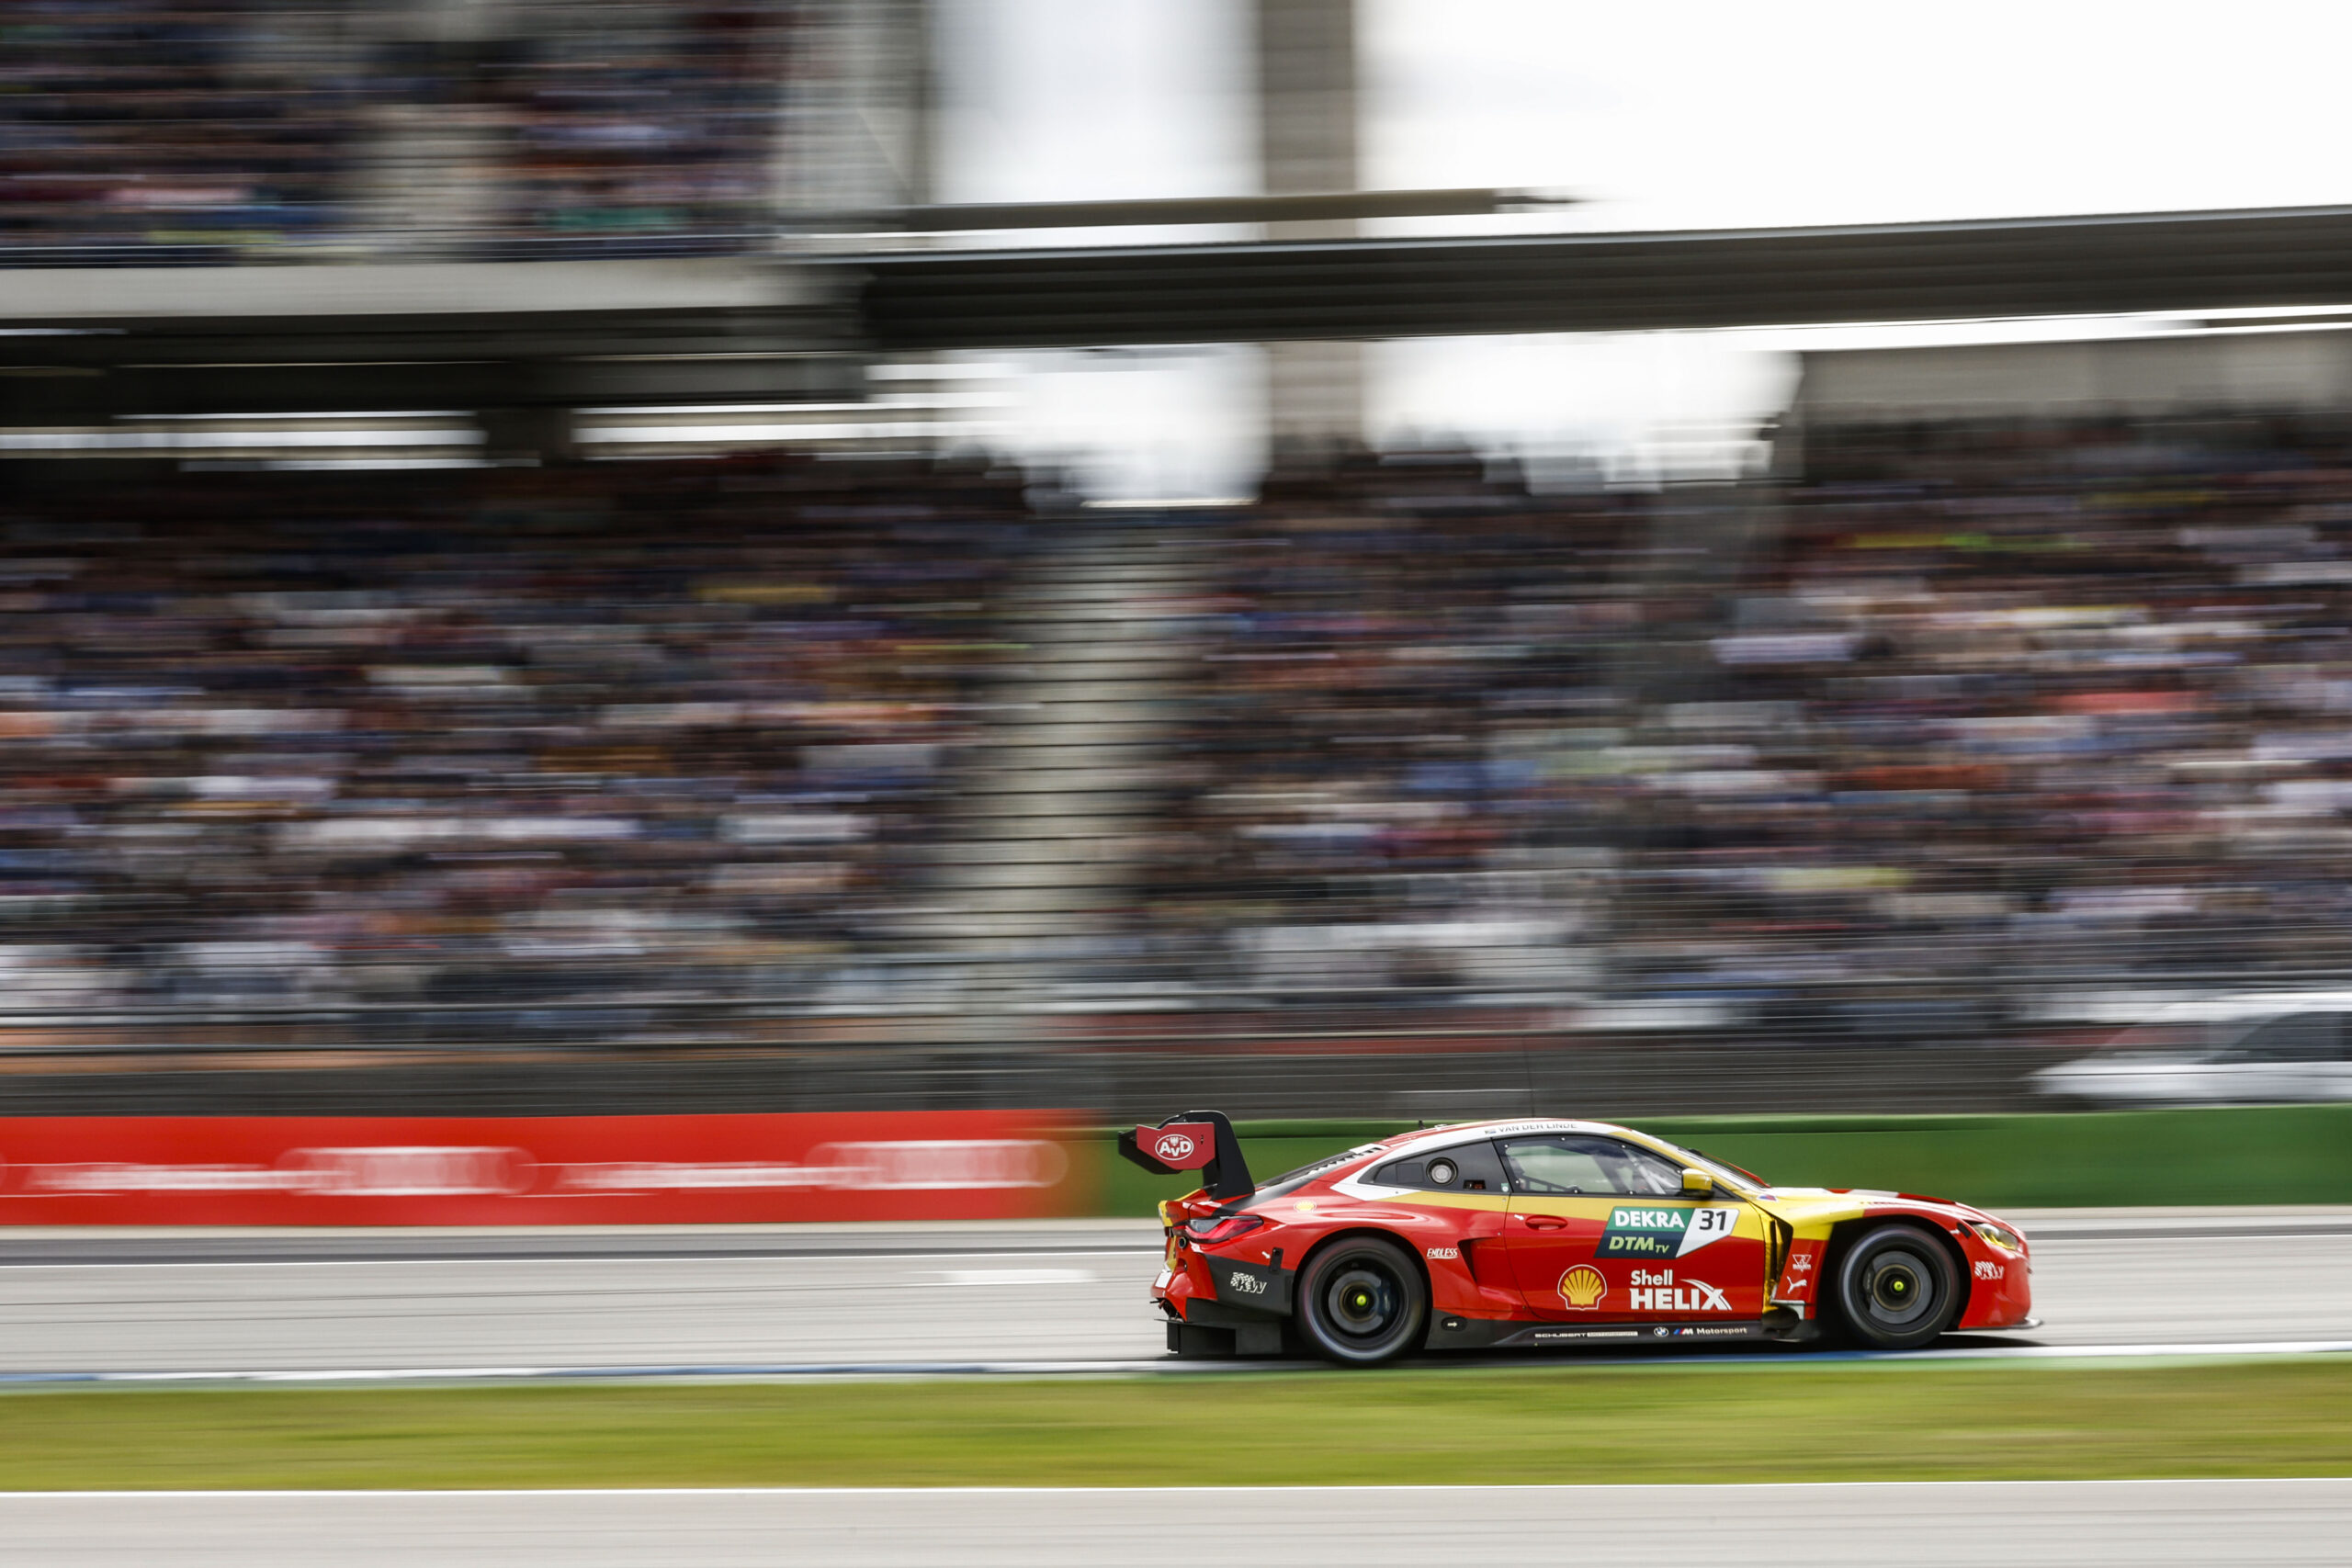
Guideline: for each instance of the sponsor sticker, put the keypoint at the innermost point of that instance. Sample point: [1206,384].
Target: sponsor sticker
[905,1165]
[1583,1286]
[1248,1285]
[1658,1230]
[1657,1291]
[386,1171]
[1442,1252]
[1990,1271]
[1181,1145]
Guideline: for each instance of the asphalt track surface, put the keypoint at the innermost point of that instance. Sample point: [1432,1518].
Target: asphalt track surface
[748,1300]
[2058,1524]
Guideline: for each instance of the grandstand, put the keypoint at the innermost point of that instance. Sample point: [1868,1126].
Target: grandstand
[197,132]
[382,688]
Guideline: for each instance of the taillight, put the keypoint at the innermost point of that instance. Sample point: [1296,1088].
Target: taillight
[1212,1229]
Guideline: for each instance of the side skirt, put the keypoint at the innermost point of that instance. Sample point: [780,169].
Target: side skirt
[1484,1334]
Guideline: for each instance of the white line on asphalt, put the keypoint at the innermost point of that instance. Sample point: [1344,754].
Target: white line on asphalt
[1218,1489]
[599,1258]
[765,1371]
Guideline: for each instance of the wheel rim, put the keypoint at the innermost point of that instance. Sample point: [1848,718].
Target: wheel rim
[1362,1302]
[1898,1289]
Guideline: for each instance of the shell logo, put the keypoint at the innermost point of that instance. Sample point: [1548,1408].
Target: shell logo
[1583,1286]
[1173,1146]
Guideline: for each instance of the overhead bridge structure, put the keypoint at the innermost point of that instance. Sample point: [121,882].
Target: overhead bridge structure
[136,341]
[1609,282]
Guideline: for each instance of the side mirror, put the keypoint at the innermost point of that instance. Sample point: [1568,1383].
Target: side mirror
[1696,1183]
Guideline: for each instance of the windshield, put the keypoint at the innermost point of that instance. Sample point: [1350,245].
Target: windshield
[1738,1175]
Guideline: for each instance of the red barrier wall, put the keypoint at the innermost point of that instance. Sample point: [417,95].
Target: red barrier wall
[389,1170]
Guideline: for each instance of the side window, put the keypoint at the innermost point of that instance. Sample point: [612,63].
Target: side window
[2290,1037]
[1573,1164]
[1465,1167]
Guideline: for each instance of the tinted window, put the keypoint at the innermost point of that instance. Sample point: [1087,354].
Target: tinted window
[1465,1167]
[1573,1163]
[2292,1037]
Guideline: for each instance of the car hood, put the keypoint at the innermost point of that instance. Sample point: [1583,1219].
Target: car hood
[1806,1206]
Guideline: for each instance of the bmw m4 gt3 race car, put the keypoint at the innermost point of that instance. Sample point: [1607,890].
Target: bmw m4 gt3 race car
[1543,1232]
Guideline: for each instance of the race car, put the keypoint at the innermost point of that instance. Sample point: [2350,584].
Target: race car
[1554,1232]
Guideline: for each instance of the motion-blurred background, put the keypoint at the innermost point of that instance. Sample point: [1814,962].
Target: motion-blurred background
[1384,558]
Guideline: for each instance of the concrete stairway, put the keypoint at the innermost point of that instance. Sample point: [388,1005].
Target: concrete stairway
[1054,808]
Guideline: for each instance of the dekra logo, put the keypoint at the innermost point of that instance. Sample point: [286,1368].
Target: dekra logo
[1664,1232]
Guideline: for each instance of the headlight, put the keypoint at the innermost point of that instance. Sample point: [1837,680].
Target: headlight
[1999,1235]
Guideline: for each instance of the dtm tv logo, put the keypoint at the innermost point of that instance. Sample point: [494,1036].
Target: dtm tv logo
[1663,1231]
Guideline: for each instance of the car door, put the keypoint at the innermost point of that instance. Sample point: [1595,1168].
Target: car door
[1599,1231]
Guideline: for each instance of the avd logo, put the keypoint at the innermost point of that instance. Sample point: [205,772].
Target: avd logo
[1171,1147]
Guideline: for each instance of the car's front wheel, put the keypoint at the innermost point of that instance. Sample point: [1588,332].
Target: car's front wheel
[1360,1301]
[1898,1289]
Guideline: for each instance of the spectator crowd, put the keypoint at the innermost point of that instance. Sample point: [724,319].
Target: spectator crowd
[1968,717]
[655,731]
[259,128]
[1970,720]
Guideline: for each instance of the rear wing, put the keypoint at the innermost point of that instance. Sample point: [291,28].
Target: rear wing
[1197,1140]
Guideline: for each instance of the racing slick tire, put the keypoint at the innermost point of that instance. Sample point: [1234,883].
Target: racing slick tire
[1362,1301]
[1898,1289]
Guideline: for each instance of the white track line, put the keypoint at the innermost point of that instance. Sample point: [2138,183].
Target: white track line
[763,1371]
[1217,1489]
[596,1259]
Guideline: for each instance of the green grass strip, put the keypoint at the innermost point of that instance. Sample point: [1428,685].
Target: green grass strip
[1532,1423]
[2272,1154]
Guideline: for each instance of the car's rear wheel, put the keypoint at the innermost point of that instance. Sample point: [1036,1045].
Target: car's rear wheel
[1360,1301]
[1898,1289]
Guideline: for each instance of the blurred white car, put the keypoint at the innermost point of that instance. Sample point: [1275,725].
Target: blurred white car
[2261,1047]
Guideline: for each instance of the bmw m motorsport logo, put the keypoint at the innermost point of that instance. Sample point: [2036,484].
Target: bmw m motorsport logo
[1664,1231]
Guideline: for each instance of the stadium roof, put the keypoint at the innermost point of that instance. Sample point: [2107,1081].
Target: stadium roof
[1375,289]
[190,339]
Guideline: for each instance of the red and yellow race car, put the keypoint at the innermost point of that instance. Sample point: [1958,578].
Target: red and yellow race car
[1542,1233]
